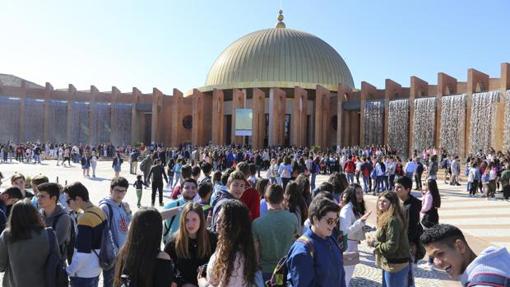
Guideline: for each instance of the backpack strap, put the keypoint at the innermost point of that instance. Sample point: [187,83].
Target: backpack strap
[51,239]
[490,279]
[307,242]
[55,221]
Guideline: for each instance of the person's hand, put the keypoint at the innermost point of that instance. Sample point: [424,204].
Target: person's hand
[173,284]
[371,242]
[365,216]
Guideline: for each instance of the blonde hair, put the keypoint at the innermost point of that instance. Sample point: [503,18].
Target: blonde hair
[182,235]
[394,210]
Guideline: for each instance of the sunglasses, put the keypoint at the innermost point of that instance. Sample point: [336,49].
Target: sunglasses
[332,221]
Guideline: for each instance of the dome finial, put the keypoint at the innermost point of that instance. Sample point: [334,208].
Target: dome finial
[280,23]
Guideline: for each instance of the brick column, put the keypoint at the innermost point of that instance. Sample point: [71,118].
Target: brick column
[176,115]
[343,94]
[259,118]
[321,116]
[299,117]
[197,131]
[238,102]
[157,103]
[277,102]
[505,86]
[218,117]
[135,116]
[499,129]
[346,129]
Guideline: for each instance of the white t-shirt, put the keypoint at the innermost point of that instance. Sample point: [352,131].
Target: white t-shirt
[236,278]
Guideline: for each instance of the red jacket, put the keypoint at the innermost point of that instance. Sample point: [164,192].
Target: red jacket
[252,200]
[349,166]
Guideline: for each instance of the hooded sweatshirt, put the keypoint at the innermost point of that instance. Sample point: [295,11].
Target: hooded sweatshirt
[60,221]
[492,260]
[120,220]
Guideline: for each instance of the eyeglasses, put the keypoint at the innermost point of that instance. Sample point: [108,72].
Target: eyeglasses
[332,221]
[122,190]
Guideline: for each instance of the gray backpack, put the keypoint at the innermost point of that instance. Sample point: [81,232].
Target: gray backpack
[108,251]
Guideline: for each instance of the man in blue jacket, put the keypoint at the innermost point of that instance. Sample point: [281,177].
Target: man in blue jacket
[315,259]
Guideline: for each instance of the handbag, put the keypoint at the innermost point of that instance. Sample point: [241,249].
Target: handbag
[351,258]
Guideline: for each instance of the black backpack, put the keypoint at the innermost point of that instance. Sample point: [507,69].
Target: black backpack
[55,273]
[66,248]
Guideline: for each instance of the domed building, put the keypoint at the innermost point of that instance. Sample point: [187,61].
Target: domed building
[284,80]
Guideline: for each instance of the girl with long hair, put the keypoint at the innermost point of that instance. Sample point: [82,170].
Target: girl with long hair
[234,261]
[353,216]
[430,204]
[295,202]
[24,247]
[261,186]
[191,246]
[390,242]
[140,259]
[304,186]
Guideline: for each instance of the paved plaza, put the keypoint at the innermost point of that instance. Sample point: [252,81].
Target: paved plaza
[485,222]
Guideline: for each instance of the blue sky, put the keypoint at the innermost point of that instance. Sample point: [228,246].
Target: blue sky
[172,44]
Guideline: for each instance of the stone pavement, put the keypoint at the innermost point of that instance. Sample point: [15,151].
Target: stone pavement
[485,222]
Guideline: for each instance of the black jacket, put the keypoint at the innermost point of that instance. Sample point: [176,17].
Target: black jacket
[412,207]
[157,172]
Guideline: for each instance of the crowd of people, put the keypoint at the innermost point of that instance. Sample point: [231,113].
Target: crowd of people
[229,224]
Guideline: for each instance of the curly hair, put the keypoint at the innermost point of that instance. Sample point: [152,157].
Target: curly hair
[234,238]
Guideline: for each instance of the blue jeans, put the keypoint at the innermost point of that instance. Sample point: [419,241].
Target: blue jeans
[312,181]
[84,282]
[350,177]
[367,184]
[396,279]
[108,277]
[379,184]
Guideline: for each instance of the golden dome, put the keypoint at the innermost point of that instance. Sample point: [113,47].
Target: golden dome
[280,58]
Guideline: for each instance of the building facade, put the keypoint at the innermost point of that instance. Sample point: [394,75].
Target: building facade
[300,91]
